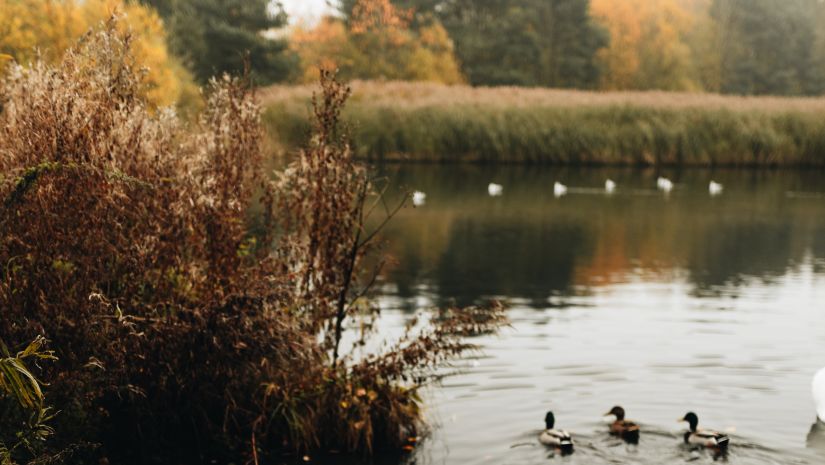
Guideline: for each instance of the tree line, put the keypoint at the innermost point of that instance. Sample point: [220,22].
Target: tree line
[727,46]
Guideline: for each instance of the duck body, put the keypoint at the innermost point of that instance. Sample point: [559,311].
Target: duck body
[664,184]
[419,198]
[609,186]
[715,188]
[557,438]
[494,189]
[625,429]
[559,189]
[818,390]
[709,439]
[704,438]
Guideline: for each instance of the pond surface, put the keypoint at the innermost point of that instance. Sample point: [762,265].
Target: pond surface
[659,303]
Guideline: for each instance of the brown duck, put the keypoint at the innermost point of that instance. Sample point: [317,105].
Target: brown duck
[625,429]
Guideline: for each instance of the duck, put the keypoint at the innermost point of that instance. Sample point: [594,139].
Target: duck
[664,184]
[704,438]
[715,188]
[419,198]
[625,429]
[609,186]
[557,438]
[559,189]
[494,189]
[818,390]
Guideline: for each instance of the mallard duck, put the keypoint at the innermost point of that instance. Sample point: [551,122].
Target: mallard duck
[664,184]
[818,389]
[419,198]
[559,189]
[715,188]
[609,186]
[555,437]
[494,189]
[704,438]
[625,429]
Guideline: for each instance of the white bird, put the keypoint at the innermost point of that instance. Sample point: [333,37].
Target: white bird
[419,198]
[715,188]
[495,190]
[609,186]
[664,184]
[559,189]
[555,437]
[818,389]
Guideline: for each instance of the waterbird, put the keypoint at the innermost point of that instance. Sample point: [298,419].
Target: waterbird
[419,198]
[609,186]
[664,184]
[715,188]
[494,189]
[704,438]
[559,189]
[625,429]
[557,438]
[818,389]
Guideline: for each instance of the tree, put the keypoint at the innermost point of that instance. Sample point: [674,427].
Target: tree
[767,46]
[648,44]
[47,28]
[520,42]
[214,36]
[378,41]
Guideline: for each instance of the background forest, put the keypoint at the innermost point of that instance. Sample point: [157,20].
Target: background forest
[744,47]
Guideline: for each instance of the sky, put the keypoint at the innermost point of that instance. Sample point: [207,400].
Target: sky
[306,10]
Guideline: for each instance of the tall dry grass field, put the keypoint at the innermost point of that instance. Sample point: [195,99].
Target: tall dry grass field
[170,326]
[432,122]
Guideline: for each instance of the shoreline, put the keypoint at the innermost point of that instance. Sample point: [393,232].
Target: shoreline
[420,122]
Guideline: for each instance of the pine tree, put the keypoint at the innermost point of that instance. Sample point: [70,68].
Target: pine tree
[214,36]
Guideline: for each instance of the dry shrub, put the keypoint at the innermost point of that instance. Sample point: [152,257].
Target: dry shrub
[328,201]
[123,242]
[183,334]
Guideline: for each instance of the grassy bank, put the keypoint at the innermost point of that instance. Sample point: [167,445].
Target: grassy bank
[430,122]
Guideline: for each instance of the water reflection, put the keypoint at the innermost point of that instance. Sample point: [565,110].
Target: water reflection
[816,438]
[658,303]
[528,244]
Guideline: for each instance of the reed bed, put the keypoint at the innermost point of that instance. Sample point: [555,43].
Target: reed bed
[432,122]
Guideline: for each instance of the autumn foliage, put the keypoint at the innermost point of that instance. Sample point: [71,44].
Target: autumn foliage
[649,47]
[377,42]
[195,309]
[45,29]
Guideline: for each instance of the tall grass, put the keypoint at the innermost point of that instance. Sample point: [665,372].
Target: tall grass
[183,333]
[430,122]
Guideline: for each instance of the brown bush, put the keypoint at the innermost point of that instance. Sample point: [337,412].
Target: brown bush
[183,334]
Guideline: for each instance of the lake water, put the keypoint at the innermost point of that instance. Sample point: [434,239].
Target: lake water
[659,303]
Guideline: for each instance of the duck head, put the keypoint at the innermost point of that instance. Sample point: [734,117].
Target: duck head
[549,420]
[692,420]
[616,411]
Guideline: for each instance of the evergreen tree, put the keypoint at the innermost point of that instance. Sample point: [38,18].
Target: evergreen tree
[768,46]
[518,42]
[213,36]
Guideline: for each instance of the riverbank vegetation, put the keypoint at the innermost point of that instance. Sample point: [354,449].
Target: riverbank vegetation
[186,308]
[744,47]
[430,122]
[720,46]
